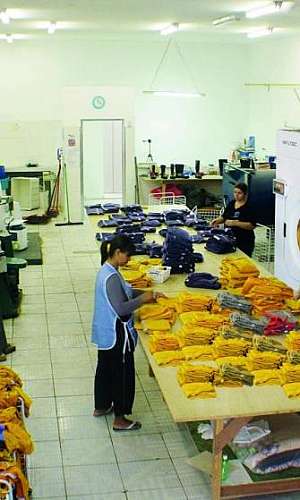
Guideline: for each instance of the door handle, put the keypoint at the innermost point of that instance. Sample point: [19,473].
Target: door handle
[284,230]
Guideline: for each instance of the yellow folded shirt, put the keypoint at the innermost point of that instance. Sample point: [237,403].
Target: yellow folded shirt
[257,360]
[199,390]
[163,342]
[230,347]
[267,377]
[188,373]
[292,390]
[292,341]
[290,373]
[156,324]
[168,358]
[198,352]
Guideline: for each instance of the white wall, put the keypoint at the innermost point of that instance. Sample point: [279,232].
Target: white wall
[35,74]
[273,61]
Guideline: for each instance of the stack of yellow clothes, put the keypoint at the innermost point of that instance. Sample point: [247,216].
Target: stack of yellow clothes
[11,389]
[15,435]
[187,373]
[240,361]
[199,390]
[198,352]
[159,325]
[187,301]
[202,319]
[163,342]
[168,358]
[266,294]
[267,377]
[290,373]
[235,271]
[156,311]
[169,302]
[292,390]
[11,472]
[195,336]
[293,357]
[263,360]
[136,278]
[292,341]
[217,309]
[230,347]
[293,305]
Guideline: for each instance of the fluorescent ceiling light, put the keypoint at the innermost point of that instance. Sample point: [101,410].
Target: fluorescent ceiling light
[260,32]
[4,16]
[270,8]
[9,38]
[170,93]
[172,28]
[225,20]
[52,28]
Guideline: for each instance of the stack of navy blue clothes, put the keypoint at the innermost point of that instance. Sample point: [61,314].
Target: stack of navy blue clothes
[178,251]
[152,222]
[140,249]
[198,257]
[94,210]
[156,216]
[107,223]
[221,244]
[128,209]
[111,208]
[105,236]
[154,250]
[121,219]
[175,214]
[202,280]
[148,229]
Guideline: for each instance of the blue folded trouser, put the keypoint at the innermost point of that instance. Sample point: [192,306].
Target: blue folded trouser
[127,209]
[174,222]
[129,228]
[105,236]
[220,244]
[97,210]
[202,280]
[148,229]
[153,222]
[111,208]
[107,223]
[198,257]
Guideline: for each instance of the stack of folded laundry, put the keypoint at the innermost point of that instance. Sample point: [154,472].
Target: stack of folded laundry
[137,279]
[216,309]
[263,360]
[198,257]
[187,373]
[111,208]
[279,322]
[163,342]
[235,271]
[267,377]
[178,251]
[293,305]
[157,311]
[105,236]
[107,223]
[232,333]
[154,250]
[292,341]
[156,216]
[240,320]
[198,353]
[170,302]
[156,325]
[220,244]
[293,357]
[94,210]
[195,336]
[202,280]
[266,344]
[232,373]
[230,347]
[133,208]
[290,373]
[140,249]
[292,390]
[240,361]
[229,301]
[168,358]
[202,319]
[193,302]
[266,294]
[152,222]
[198,390]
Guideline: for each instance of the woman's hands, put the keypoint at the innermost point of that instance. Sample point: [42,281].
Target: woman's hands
[150,297]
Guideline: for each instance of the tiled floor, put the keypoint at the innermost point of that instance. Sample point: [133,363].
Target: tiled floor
[78,456]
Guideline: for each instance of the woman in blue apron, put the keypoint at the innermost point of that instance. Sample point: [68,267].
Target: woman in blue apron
[114,334]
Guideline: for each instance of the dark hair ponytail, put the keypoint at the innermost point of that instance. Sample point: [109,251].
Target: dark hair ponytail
[119,242]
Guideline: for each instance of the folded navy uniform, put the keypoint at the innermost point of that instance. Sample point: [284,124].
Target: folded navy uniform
[178,251]
[203,280]
[129,228]
[137,217]
[174,223]
[198,257]
[94,210]
[111,208]
[148,229]
[154,250]
[153,222]
[197,238]
[136,237]
[121,219]
[220,244]
[175,215]
[107,223]
[140,249]
[127,209]
[105,236]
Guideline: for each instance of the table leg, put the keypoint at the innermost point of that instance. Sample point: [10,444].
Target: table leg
[217,461]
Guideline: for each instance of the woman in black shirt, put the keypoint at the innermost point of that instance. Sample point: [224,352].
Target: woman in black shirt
[240,217]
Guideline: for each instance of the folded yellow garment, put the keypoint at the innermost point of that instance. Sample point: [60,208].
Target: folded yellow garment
[232,360]
[292,341]
[234,271]
[168,358]
[156,324]
[293,305]
[136,278]
[199,390]
[266,293]
[170,302]
[198,352]
[257,360]
[163,342]
[290,373]
[195,336]
[187,301]
[155,311]
[230,347]
[188,373]
[220,382]
[292,390]
[267,377]
[202,318]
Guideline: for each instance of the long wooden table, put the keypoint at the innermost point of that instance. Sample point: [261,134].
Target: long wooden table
[232,408]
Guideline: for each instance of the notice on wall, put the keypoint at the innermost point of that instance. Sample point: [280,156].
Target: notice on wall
[72,147]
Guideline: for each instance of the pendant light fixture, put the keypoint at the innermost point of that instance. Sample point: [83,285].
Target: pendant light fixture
[225,20]
[4,17]
[277,6]
[153,90]
[260,32]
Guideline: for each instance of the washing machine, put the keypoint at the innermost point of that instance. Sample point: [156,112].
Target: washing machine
[286,187]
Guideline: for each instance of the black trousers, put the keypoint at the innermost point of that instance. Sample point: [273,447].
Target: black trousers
[115,376]
[247,247]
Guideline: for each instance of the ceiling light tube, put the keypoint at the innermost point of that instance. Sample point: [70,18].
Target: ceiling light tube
[260,32]
[52,28]
[9,38]
[172,28]
[4,16]
[170,93]
[270,8]
[224,20]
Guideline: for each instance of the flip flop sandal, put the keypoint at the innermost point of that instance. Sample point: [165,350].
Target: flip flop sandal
[101,413]
[134,426]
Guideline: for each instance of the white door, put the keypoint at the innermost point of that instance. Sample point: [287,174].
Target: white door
[291,257]
[102,161]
